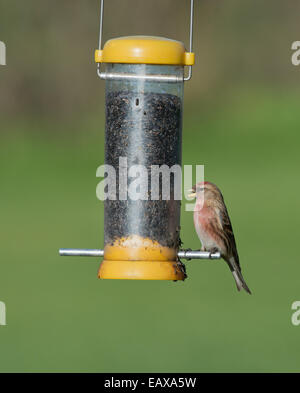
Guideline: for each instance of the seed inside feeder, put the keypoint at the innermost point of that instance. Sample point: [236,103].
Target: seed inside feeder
[146,129]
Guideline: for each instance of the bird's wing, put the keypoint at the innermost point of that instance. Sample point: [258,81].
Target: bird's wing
[228,235]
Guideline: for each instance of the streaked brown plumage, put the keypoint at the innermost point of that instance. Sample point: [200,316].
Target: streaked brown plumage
[213,226]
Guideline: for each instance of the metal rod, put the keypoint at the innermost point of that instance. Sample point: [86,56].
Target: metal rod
[184,254]
[187,78]
[191,25]
[100,34]
[189,254]
[78,252]
[191,38]
[101,24]
[156,78]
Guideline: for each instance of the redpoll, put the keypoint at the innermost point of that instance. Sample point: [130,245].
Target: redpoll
[213,226]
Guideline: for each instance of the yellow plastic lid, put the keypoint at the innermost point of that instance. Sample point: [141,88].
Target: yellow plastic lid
[144,50]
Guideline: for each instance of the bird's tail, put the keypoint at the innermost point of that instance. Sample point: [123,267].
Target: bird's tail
[237,275]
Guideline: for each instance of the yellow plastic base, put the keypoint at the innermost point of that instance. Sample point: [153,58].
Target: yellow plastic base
[138,258]
[141,270]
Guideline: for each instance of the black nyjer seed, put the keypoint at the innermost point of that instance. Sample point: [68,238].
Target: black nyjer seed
[146,129]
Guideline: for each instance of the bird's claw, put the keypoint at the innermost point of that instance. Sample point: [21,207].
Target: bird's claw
[188,249]
[212,251]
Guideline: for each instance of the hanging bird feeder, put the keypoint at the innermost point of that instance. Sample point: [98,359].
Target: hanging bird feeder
[144,79]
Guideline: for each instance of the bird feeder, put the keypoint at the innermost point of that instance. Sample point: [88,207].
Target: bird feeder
[144,80]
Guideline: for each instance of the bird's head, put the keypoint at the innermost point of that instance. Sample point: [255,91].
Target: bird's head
[205,189]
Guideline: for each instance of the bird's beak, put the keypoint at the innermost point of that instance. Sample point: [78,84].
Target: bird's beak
[192,194]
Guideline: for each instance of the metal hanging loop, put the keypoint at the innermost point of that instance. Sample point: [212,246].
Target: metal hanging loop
[191,38]
[154,77]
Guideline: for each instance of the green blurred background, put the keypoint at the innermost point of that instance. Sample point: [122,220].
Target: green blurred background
[241,121]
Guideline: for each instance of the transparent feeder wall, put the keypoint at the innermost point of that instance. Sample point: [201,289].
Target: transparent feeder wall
[144,126]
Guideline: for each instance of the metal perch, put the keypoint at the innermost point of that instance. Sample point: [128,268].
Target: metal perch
[184,254]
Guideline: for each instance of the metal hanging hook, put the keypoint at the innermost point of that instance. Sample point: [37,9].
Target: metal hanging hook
[100,35]
[101,24]
[161,77]
[191,38]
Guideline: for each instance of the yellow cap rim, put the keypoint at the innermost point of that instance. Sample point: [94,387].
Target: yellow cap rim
[144,50]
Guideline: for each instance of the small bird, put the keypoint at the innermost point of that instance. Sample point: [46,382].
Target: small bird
[213,226]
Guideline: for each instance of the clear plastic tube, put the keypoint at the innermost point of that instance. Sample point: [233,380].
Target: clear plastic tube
[144,127]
